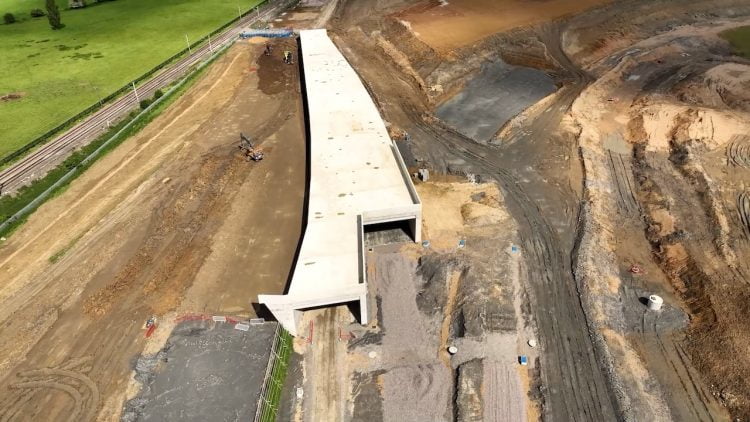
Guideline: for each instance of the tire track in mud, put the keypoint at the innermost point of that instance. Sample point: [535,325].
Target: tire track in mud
[179,245]
[668,351]
[621,174]
[672,354]
[500,384]
[743,206]
[75,384]
[738,151]
[577,388]
[16,403]
[576,385]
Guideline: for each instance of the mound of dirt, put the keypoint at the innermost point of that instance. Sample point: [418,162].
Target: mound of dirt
[12,96]
[471,20]
[726,85]
[709,127]
[476,214]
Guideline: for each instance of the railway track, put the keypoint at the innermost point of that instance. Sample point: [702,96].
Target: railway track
[36,164]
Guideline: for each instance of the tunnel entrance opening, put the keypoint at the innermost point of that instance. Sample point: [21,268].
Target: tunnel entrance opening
[389,232]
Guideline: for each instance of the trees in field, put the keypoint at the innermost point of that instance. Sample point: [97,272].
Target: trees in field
[76,4]
[53,14]
[8,18]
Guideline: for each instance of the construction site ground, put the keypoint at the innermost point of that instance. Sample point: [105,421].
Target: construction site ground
[472,20]
[426,299]
[601,179]
[173,221]
[551,218]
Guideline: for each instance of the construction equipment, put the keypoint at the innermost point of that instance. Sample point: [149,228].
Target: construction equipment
[288,57]
[250,151]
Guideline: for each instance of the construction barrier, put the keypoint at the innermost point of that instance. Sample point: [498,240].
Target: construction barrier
[273,381]
[217,318]
[267,33]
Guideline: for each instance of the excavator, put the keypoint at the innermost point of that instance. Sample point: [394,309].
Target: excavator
[250,151]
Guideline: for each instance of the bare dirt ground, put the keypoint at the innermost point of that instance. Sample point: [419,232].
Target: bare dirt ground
[174,220]
[678,186]
[471,20]
[639,160]
[583,195]
[540,197]
[424,300]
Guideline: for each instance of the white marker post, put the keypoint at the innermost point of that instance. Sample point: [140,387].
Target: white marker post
[135,91]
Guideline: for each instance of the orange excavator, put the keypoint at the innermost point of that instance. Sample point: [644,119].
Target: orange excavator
[250,151]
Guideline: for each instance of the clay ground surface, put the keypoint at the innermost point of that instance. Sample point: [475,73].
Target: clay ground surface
[666,195]
[538,180]
[471,20]
[174,220]
[636,159]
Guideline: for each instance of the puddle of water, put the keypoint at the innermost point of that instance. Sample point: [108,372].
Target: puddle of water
[495,95]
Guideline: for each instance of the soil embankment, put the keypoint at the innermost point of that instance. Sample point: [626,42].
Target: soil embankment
[657,139]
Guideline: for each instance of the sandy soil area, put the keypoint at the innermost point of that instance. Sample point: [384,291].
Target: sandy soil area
[657,132]
[174,220]
[471,20]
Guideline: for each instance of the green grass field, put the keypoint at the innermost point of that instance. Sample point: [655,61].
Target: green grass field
[101,48]
[739,38]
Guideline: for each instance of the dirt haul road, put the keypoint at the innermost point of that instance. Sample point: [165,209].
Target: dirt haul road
[174,220]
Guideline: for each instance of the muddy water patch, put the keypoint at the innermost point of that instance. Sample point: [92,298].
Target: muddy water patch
[493,96]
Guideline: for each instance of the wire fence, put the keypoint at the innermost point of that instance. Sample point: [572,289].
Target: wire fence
[278,362]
